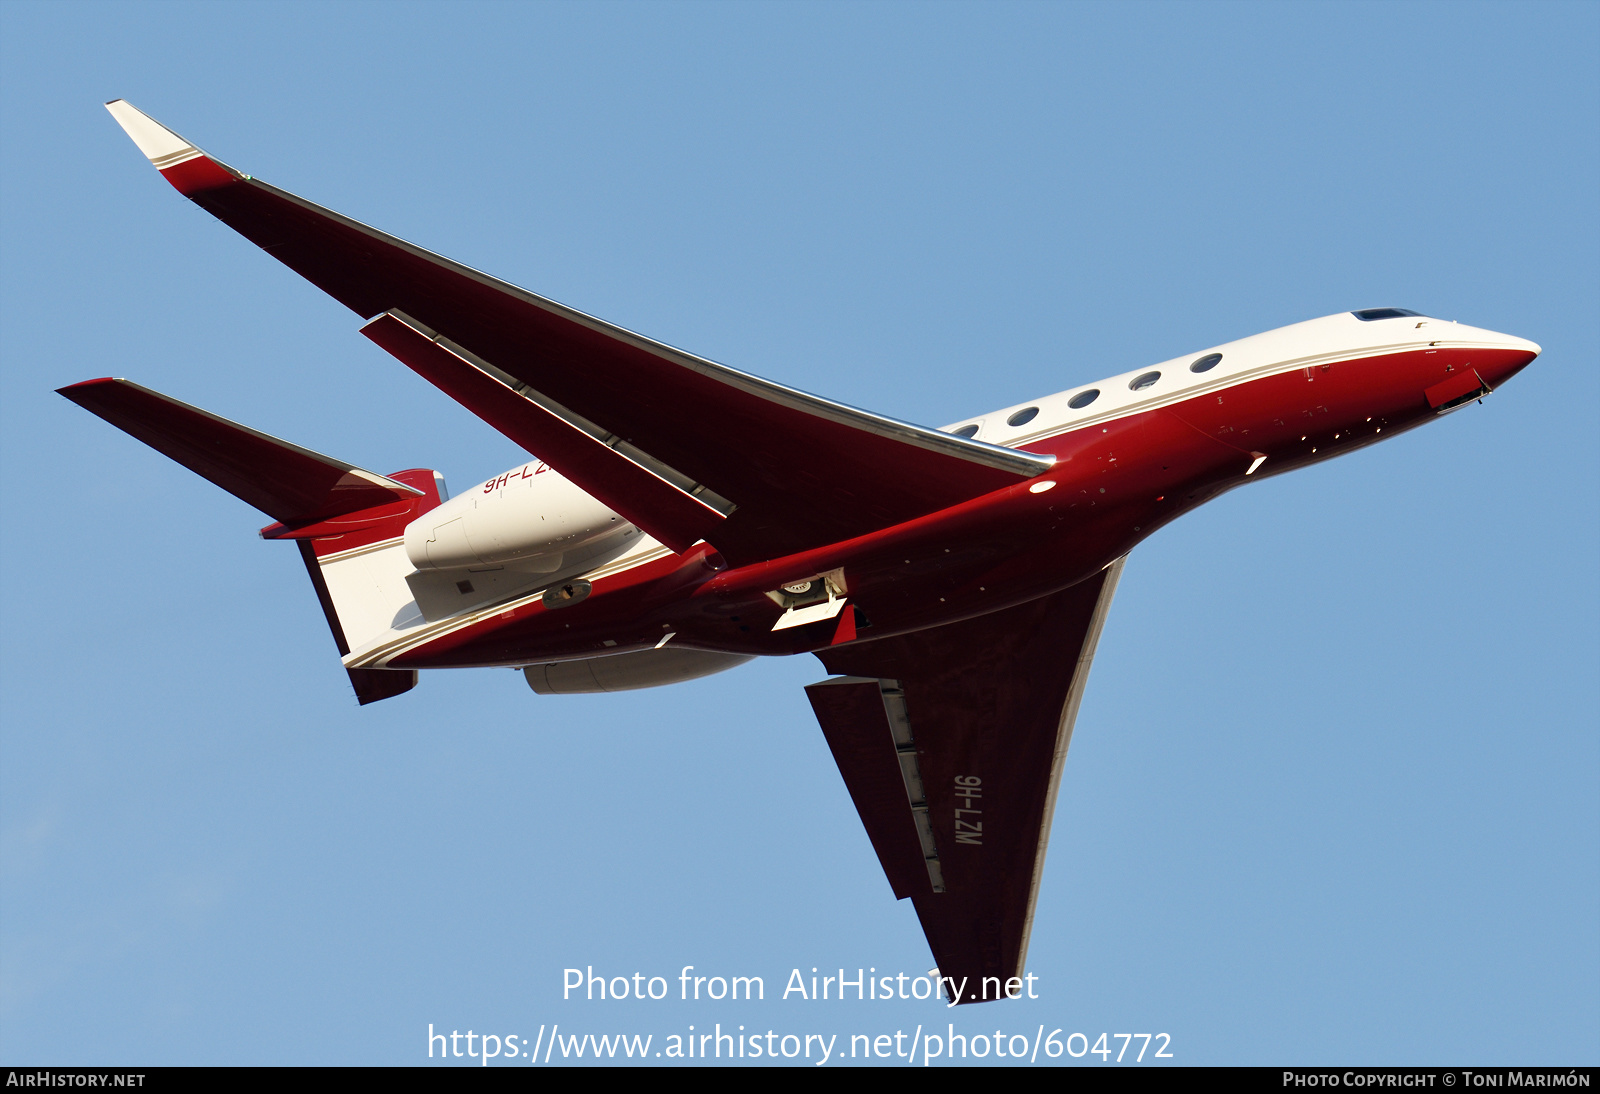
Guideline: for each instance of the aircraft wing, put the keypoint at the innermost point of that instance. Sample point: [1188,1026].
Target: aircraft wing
[951,742]
[687,448]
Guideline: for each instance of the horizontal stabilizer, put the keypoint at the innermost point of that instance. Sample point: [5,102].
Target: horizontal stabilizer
[291,484]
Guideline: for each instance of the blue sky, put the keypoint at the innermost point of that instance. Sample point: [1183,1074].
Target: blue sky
[1333,794]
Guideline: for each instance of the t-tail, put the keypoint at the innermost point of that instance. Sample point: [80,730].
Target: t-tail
[348,523]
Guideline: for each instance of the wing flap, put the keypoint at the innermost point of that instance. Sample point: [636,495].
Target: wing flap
[666,511]
[854,720]
[990,704]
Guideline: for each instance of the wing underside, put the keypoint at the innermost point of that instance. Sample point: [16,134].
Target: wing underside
[951,742]
[778,469]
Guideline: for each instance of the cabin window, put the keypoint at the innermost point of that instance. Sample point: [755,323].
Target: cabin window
[1206,363]
[1083,398]
[1023,416]
[1367,315]
[967,430]
[1141,382]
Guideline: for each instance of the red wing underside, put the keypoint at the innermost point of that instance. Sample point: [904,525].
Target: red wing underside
[782,471]
[951,742]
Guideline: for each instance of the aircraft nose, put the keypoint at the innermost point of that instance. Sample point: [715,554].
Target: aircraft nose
[1516,356]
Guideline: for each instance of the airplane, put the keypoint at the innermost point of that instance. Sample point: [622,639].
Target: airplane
[677,518]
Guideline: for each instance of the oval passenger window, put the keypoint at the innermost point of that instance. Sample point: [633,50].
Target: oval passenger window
[1023,416]
[967,430]
[1139,383]
[1083,398]
[1209,361]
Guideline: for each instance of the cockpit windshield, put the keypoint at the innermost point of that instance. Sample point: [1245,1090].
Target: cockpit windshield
[1367,315]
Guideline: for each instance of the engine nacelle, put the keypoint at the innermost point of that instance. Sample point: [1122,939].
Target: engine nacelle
[529,519]
[628,671]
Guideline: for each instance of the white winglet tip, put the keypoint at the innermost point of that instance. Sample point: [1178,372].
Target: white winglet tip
[161,146]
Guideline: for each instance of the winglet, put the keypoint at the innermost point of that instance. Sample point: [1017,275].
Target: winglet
[180,163]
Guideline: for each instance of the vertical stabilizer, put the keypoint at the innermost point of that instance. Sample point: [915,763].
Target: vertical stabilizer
[349,522]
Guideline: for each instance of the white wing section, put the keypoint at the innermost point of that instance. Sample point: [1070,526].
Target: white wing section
[160,145]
